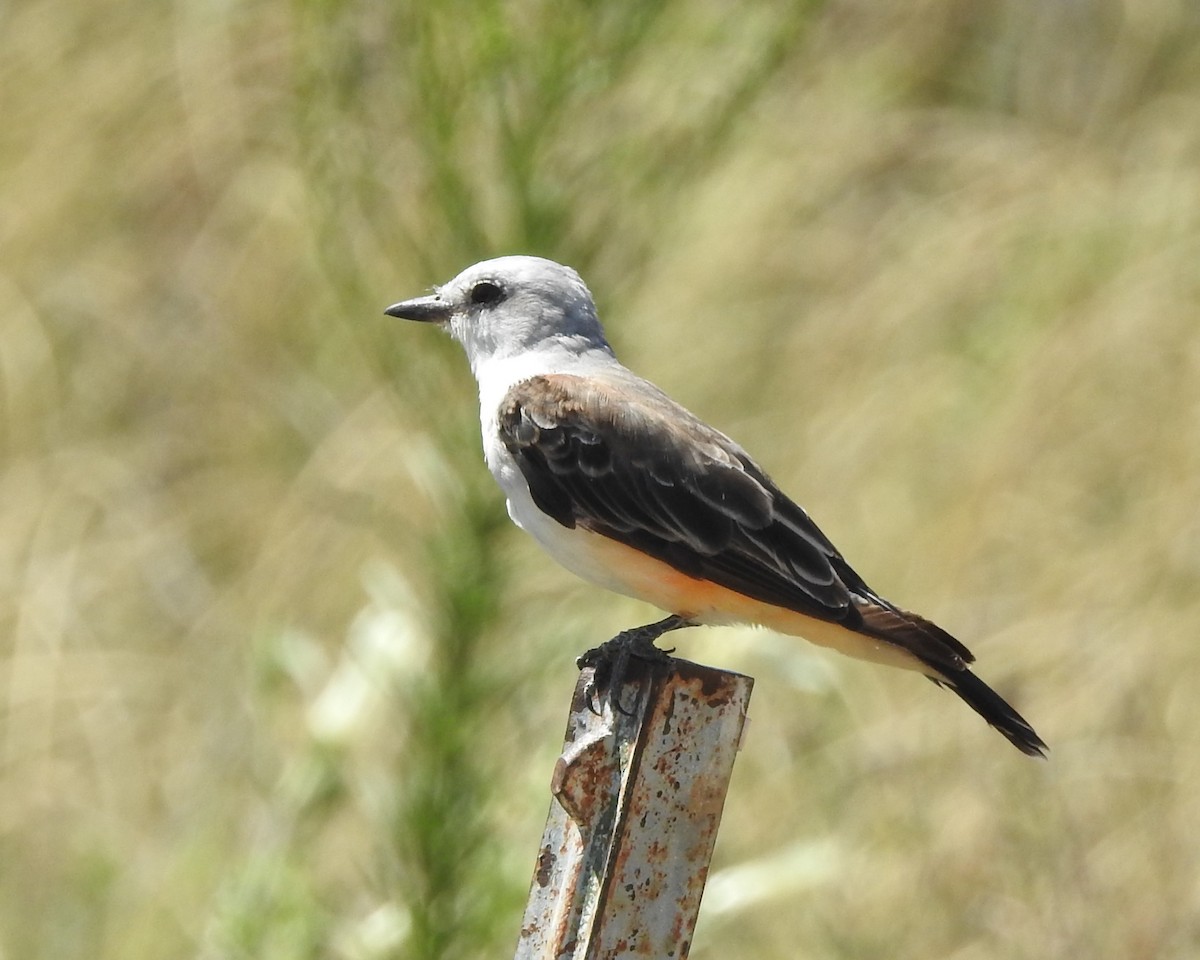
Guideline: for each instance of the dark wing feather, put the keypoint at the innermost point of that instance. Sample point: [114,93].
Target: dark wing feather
[645,472]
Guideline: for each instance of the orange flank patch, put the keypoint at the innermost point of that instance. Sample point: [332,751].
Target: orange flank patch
[635,574]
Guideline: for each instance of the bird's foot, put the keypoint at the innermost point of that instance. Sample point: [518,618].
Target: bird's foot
[613,658]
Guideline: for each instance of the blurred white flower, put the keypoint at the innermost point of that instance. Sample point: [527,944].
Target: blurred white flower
[379,934]
[798,867]
[386,643]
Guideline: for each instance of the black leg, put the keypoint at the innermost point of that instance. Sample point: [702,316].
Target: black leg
[612,658]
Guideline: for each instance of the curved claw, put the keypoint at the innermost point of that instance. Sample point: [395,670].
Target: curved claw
[611,660]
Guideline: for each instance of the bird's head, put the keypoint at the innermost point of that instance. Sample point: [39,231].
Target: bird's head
[511,305]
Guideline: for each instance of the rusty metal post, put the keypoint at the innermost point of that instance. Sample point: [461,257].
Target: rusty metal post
[637,801]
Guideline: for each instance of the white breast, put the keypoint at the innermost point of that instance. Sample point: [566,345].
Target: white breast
[496,377]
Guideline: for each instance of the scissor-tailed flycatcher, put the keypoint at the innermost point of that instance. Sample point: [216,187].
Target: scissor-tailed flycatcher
[627,489]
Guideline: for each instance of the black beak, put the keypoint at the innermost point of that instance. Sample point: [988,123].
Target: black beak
[426,309]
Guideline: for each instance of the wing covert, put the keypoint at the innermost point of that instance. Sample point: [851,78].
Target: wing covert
[637,467]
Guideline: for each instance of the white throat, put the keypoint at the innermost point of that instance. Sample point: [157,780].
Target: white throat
[497,374]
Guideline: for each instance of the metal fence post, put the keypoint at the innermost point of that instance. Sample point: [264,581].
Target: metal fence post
[637,802]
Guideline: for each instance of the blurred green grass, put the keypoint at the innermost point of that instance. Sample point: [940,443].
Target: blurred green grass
[279,679]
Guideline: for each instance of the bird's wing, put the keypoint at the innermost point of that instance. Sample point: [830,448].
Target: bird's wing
[627,462]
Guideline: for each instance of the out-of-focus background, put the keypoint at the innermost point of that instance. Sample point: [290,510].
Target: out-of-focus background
[277,677]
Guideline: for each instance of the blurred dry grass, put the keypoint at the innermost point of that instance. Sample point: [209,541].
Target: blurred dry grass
[279,681]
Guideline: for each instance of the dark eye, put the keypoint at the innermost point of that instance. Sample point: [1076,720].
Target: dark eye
[486,292]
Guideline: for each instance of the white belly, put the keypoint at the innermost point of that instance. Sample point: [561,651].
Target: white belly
[570,547]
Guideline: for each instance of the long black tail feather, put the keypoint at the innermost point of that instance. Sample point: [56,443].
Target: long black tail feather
[994,709]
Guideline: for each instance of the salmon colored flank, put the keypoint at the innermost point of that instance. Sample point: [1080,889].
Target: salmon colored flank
[645,578]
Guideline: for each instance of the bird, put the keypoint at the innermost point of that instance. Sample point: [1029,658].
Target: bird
[629,490]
